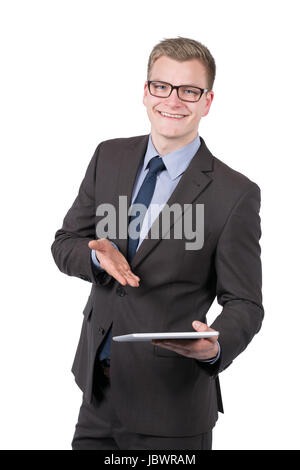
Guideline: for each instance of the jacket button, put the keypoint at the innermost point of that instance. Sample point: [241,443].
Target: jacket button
[120,291]
[101,330]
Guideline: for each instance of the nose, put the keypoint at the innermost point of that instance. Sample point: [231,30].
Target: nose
[173,98]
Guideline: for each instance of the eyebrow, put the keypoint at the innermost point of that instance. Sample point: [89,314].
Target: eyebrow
[184,84]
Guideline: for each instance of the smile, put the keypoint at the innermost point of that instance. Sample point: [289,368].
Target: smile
[172,116]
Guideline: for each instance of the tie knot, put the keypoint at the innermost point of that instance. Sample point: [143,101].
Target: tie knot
[156,164]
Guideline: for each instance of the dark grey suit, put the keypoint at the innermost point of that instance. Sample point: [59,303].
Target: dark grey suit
[154,390]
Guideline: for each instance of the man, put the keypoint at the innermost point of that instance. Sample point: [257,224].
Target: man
[161,395]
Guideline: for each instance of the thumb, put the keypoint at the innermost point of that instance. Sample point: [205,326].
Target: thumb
[96,244]
[199,326]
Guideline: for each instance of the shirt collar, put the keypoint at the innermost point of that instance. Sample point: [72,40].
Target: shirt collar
[176,162]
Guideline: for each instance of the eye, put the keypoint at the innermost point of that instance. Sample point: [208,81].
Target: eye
[191,92]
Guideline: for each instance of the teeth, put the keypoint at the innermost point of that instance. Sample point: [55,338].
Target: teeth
[172,115]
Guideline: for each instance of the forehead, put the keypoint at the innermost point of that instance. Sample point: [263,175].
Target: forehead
[190,72]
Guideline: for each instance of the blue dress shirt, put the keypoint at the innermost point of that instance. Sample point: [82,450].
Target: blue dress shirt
[176,163]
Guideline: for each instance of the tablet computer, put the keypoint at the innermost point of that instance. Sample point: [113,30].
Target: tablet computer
[179,335]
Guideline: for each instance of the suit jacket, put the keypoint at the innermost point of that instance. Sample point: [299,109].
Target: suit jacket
[155,390]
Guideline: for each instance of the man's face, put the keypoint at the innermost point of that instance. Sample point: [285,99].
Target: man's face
[190,72]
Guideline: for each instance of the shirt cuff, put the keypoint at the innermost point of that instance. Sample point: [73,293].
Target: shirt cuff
[95,260]
[214,359]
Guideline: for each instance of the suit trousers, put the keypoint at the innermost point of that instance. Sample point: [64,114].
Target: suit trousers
[98,427]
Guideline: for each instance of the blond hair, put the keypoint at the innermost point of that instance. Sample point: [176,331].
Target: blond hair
[182,49]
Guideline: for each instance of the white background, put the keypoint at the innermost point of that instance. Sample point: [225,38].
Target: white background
[59,59]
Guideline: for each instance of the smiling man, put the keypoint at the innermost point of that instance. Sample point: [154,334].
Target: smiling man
[161,394]
[175,114]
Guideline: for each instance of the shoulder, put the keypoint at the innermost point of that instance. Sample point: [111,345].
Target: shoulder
[121,142]
[228,179]
[229,186]
[112,151]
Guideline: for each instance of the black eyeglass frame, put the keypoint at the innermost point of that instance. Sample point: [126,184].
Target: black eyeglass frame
[203,90]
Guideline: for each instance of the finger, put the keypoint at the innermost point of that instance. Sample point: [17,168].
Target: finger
[121,280]
[187,352]
[124,279]
[201,346]
[171,346]
[180,343]
[118,276]
[128,272]
[181,351]
[191,346]
[132,282]
[132,276]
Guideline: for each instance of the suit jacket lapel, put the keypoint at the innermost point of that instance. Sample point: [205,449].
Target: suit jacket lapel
[194,180]
[133,156]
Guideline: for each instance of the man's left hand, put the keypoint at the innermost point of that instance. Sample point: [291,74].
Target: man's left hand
[201,349]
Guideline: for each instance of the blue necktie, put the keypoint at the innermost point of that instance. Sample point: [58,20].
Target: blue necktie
[144,197]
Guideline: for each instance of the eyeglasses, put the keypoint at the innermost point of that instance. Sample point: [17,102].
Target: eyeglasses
[187,93]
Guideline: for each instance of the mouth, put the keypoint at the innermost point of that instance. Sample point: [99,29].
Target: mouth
[172,116]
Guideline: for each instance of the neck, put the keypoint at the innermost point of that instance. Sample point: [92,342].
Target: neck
[165,145]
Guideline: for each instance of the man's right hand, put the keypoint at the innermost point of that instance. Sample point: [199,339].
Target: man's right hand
[114,262]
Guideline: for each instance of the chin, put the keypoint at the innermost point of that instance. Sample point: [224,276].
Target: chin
[170,133]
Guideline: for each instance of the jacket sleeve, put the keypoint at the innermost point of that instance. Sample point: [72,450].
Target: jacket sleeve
[239,278]
[70,248]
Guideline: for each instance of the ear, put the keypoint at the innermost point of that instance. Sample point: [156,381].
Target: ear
[209,98]
[145,92]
